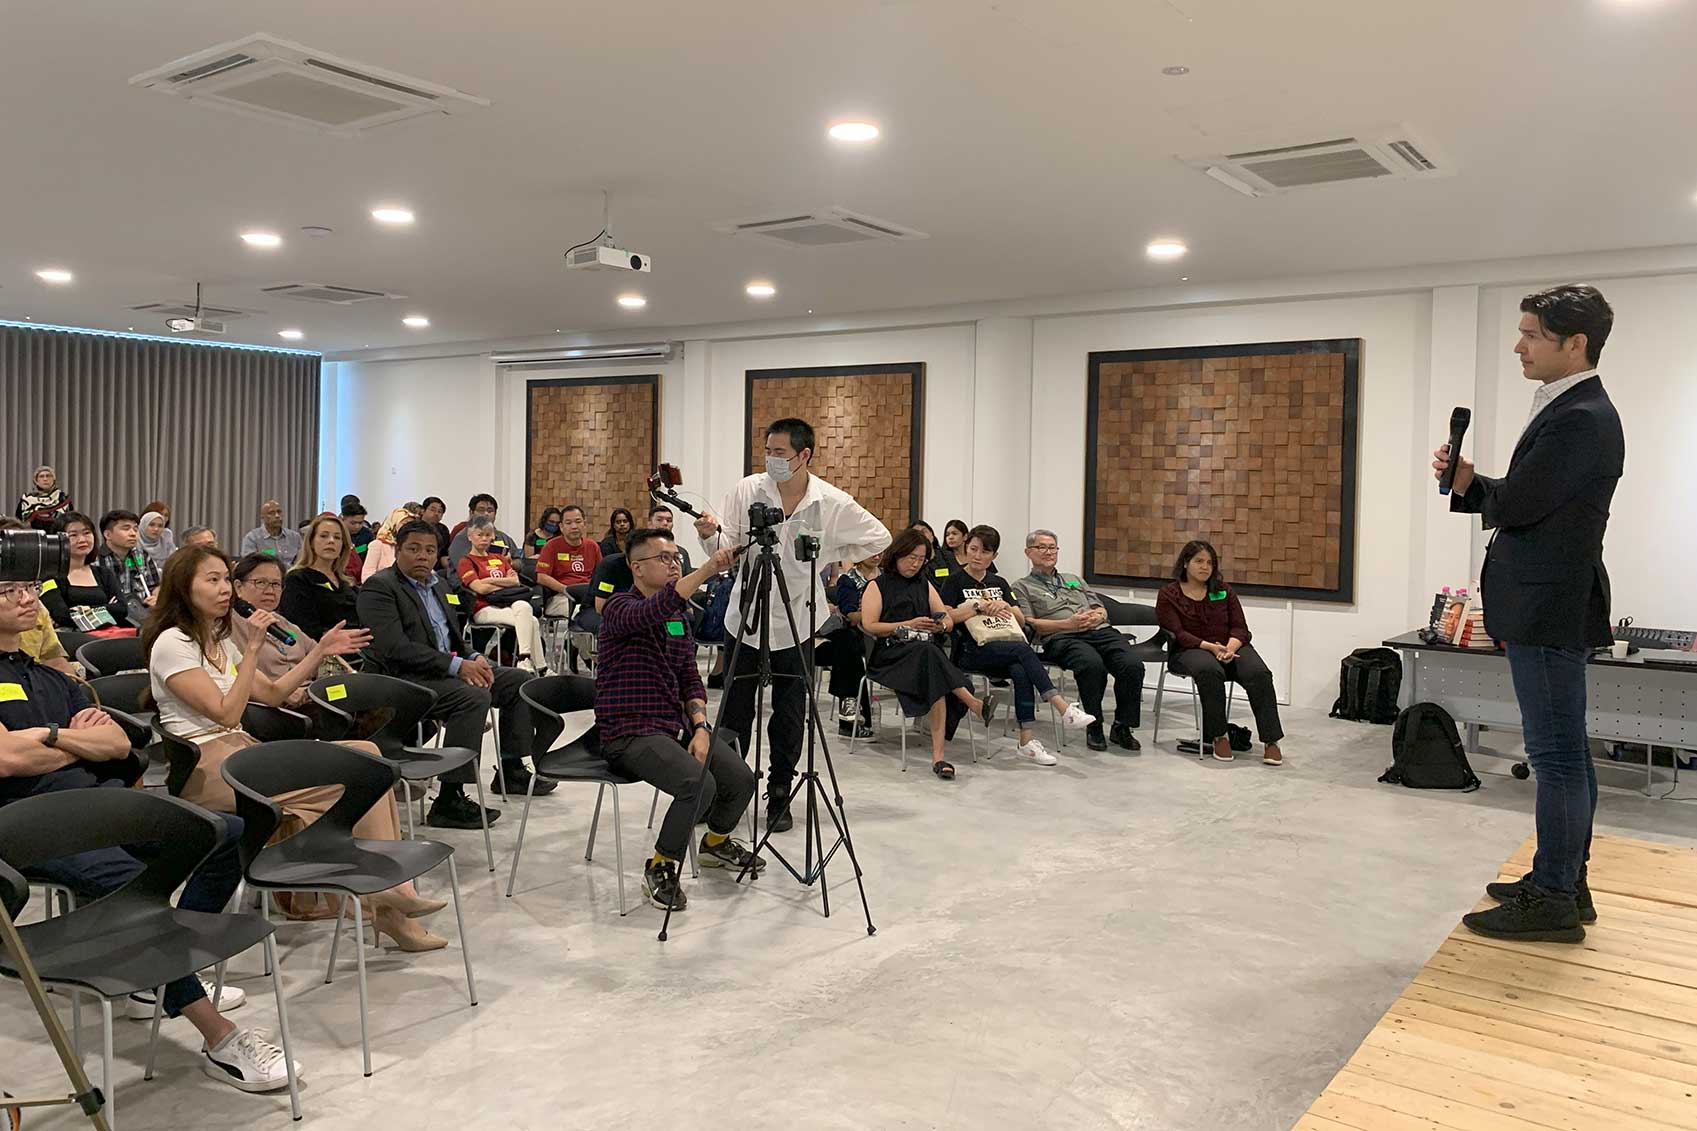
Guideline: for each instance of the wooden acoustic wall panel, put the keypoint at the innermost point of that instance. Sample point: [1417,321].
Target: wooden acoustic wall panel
[868,423]
[1250,447]
[592,442]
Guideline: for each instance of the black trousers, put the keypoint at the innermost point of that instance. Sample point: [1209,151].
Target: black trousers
[1092,657]
[789,697]
[1250,672]
[463,711]
[845,651]
[662,761]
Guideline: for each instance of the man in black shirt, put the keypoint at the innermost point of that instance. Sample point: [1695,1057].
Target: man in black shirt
[53,738]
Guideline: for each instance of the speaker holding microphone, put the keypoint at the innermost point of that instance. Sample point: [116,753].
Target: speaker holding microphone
[1460,418]
[275,631]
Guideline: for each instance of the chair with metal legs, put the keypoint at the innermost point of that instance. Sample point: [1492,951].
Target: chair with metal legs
[130,940]
[868,692]
[326,856]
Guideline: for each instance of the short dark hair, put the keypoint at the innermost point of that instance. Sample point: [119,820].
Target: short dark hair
[416,526]
[988,537]
[656,509]
[480,497]
[428,499]
[349,501]
[905,543]
[639,538]
[1217,580]
[799,431]
[573,507]
[69,517]
[241,570]
[110,517]
[349,510]
[1573,308]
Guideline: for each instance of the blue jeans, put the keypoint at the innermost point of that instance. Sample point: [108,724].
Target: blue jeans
[1550,686]
[1015,660]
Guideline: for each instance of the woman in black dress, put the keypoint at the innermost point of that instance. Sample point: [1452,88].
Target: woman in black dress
[924,680]
[83,600]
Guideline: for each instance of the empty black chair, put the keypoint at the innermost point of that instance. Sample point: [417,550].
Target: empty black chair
[72,641]
[112,655]
[181,757]
[326,856]
[131,939]
[401,739]
[276,724]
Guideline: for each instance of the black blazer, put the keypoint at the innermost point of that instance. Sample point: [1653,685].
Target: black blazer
[1543,579]
[315,603]
[402,642]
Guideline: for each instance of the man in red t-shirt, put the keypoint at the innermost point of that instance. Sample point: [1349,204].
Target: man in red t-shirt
[567,559]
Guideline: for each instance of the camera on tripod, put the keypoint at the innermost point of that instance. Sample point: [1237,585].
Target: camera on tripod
[763,522]
[30,555]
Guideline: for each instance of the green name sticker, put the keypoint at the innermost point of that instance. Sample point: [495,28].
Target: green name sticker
[1219,596]
[675,627]
[1072,585]
[273,553]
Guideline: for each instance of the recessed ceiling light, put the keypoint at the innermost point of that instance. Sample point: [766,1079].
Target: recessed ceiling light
[1165,249]
[761,290]
[58,276]
[262,239]
[1176,71]
[1184,278]
[632,302]
[291,335]
[416,321]
[854,131]
[391,215]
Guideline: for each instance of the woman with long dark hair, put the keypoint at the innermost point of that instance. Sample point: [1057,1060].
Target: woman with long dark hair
[83,599]
[1211,645]
[954,543]
[619,527]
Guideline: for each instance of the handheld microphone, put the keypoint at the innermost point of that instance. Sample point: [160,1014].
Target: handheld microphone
[275,631]
[1460,418]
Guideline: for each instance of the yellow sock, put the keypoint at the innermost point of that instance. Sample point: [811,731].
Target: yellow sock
[714,840]
[659,859]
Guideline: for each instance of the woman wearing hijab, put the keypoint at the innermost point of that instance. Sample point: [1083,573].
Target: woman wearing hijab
[157,541]
[380,554]
[44,502]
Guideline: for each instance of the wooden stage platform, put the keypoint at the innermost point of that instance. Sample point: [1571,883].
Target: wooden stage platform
[1501,1036]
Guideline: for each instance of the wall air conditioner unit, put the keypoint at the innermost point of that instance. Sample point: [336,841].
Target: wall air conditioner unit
[818,228]
[1392,152]
[266,77]
[584,355]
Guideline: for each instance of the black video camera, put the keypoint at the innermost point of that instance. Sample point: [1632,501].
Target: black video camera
[763,522]
[30,555]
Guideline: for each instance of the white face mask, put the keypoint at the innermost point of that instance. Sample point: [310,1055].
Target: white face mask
[779,469]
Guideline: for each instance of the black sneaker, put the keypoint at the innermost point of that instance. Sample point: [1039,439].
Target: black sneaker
[716,681]
[1094,738]
[1533,915]
[728,853]
[1123,738]
[861,729]
[1506,892]
[778,814]
[457,811]
[518,781]
[660,885]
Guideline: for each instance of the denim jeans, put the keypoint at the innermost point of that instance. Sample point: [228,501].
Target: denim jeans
[1550,686]
[1015,660]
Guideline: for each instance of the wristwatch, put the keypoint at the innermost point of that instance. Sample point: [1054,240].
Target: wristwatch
[52,738]
[702,725]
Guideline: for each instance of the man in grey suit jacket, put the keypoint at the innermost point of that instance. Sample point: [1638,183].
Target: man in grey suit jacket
[1547,594]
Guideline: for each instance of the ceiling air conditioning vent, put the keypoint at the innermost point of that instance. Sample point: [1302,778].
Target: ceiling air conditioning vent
[187,310]
[1367,155]
[272,78]
[325,292]
[823,228]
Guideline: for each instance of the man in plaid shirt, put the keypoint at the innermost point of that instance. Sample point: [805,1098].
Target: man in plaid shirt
[648,693]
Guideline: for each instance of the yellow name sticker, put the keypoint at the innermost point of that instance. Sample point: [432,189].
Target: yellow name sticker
[336,691]
[453,598]
[605,587]
[944,572]
[49,585]
[13,693]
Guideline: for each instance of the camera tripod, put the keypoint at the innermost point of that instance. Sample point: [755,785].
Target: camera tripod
[759,574]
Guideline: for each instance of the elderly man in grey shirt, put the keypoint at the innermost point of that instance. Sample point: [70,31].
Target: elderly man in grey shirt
[272,537]
[1073,626]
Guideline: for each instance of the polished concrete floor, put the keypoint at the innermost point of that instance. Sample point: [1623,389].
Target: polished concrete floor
[1122,941]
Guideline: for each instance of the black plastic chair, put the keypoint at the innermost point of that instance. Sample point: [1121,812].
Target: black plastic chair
[112,655]
[181,758]
[550,698]
[72,641]
[277,724]
[401,739]
[131,939]
[326,856]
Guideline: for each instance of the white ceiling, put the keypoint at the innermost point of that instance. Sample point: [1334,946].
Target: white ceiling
[1034,142]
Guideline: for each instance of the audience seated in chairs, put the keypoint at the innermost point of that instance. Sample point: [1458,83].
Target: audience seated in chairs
[126,568]
[85,599]
[272,536]
[53,738]
[566,559]
[1211,645]
[199,536]
[318,592]
[649,702]
[459,545]
[42,505]
[258,580]
[925,682]
[416,632]
[156,540]
[547,528]
[620,525]
[202,682]
[844,651]
[40,642]
[990,630]
[500,595]
[1072,624]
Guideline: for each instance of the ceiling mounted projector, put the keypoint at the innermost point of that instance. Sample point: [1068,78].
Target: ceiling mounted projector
[194,326]
[602,257]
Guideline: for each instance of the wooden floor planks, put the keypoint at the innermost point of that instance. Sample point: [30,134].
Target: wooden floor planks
[1501,1036]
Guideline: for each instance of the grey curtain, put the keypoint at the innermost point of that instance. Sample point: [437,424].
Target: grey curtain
[212,431]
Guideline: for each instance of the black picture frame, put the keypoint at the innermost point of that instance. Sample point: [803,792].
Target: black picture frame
[555,382]
[1350,348]
[915,371]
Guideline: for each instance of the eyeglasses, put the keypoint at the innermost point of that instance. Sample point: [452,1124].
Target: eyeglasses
[15,593]
[1047,549]
[263,586]
[663,559]
[918,556]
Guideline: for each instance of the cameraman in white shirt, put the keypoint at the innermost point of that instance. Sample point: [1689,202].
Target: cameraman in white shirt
[846,531]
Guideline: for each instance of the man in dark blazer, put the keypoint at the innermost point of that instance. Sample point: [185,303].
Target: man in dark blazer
[1547,594]
[415,635]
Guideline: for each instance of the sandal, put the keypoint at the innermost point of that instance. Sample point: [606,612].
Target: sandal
[988,713]
[944,770]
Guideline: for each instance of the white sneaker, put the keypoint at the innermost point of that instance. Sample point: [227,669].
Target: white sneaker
[141,1004]
[247,1060]
[1037,752]
[1076,717]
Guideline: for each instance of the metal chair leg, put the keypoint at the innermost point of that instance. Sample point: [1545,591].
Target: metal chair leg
[283,1026]
[483,811]
[106,1062]
[153,1037]
[407,809]
[524,822]
[653,806]
[76,1021]
[1160,690]
[465,944]
[595,822]
[618,846]
[336,941]
[364,1023]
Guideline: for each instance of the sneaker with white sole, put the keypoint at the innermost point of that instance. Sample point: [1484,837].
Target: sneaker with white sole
[140,1007]
[1036,752]
[1076,717]
[249,1061]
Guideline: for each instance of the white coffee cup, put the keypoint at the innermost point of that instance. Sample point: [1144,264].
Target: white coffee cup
[1618,649]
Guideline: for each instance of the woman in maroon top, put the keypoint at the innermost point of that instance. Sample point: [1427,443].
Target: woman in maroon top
[1211,645]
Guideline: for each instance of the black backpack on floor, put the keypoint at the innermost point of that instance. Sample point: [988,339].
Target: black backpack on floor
[1369,681]
[1427,752]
